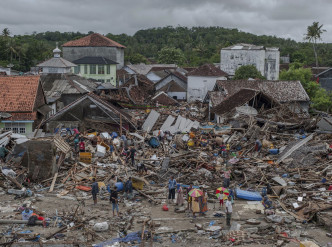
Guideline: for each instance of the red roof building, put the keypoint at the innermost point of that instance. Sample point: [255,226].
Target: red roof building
[94,45]
[23,98]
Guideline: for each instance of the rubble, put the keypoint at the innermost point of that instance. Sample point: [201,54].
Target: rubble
[173,141]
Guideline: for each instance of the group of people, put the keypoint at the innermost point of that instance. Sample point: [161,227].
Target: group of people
[114,198]
[198,204]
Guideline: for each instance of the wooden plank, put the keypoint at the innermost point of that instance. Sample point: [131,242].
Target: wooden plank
[53,182]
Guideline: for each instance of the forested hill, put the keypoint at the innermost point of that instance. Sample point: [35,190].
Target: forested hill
[197,45]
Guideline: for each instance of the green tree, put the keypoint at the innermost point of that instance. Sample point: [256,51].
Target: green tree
[313,34]
[170,55]
[5,32]
[319,97]
[136,58]
[246,72]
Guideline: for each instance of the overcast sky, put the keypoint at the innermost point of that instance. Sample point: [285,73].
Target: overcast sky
[283,18]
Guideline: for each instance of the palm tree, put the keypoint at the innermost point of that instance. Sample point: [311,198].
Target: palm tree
[5,32]
[313,34]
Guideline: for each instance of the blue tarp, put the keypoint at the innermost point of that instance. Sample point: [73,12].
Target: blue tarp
[134,236]
[154,142]
[248,195]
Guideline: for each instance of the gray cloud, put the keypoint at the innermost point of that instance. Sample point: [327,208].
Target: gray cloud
[282,18]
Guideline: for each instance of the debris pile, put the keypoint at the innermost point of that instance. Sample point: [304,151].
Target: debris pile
[280,180]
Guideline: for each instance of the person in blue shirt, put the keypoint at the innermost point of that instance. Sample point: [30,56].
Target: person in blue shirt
[94,191]
[171,189]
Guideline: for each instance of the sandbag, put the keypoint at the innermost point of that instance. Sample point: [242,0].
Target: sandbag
[101,227]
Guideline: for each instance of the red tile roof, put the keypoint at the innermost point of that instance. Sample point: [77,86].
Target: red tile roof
[207,70]
[94,40]
[18,93]
[23,116]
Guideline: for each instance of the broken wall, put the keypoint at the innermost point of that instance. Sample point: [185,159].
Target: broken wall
[39,158]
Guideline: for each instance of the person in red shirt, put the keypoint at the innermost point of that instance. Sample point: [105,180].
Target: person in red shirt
[82,146]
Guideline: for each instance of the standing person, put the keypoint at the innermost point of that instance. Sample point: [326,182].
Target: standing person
[3,153]
[82,146]
[179,199]
[94,191]
[229,210]
[189,198]
[125,141]
[227,177]
[132,155]
[129,189]
[76,141]
[204,202]
[196,207]
[114,200]
[171,189]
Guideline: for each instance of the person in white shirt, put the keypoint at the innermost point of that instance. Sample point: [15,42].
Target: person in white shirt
[229,210]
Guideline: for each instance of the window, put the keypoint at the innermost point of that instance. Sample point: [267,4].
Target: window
[86,69]
[108,69]
[16,127]
[101,80]
[53,70]
[108,80]
[175,97]
[92,69]
[77,69]
[101,70]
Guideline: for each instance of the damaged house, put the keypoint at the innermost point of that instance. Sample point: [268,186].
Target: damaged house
[22,97]
[201,80]
[174,85]
[91,112]
[256,94]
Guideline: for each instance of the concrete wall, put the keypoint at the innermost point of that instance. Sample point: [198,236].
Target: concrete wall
[198,86]
[39,158]
[272,58]
[28,127]
[52,70]
[179,95]
[266,61]
[113,53]
[231,60]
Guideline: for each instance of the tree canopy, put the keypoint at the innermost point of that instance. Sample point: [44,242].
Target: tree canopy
[246,72]
[170,55]
[320,98]
[198,45]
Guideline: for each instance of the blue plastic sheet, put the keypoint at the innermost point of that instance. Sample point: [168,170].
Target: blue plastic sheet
[131,237]
[248,195]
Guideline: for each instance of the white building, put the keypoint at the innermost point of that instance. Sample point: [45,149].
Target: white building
[202,80]
[266,60]
[56,65]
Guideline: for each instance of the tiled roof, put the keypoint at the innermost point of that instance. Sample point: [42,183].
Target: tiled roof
[180,76]
[56,62]
[23,116]
[143,69]
[94,60]
[164,99]
[280,91]
[94,40]
[238,99]
[18,93]
[172,86]
[207,70]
